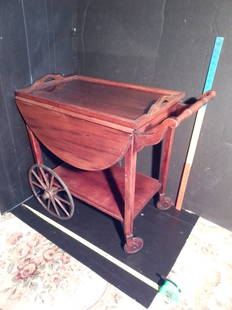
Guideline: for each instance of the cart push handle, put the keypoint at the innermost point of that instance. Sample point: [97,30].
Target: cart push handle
[204,98]
[156,134]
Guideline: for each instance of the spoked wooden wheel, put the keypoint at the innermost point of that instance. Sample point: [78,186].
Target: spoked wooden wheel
[51,191]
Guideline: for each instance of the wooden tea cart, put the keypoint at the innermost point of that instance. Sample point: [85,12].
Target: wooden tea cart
[90,124]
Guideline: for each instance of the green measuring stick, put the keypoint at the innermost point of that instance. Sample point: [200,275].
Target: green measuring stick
[213,64]
[198,122]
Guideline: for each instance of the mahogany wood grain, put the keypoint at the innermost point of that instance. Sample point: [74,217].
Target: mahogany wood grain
[119,103]
[146,124]
[165,158]
[204,99]
[160,91]
[43,80]
[91,124]
[130,178]
[105,189]
[160,110]
[126,126]
[36,150]
[101,98]
[78,142]
[51,80]
[155,133]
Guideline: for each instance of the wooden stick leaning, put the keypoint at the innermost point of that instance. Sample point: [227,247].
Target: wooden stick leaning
[198,123]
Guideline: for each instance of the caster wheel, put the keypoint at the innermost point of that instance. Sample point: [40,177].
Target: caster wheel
[133,245]
[164,203]
[51,192]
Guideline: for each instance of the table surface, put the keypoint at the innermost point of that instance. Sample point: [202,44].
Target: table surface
[121,100]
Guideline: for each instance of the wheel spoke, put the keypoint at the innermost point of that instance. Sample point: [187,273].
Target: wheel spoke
[63,200]
[38,179]
[51,191]
[37,184]
[55,206]
[51,182]
[60,190]
[44,176]
[62,207]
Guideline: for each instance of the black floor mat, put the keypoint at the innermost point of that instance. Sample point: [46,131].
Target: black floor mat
[164,234]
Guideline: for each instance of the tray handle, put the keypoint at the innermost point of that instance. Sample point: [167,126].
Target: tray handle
[48,78]
[187,112]
[154,135]
[164,100]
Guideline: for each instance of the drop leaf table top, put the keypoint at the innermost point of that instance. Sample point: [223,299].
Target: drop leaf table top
[91,124]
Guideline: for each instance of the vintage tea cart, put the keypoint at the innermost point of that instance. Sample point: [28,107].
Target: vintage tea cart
[90,124]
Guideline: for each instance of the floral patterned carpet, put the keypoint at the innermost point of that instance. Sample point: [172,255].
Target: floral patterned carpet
[36,273]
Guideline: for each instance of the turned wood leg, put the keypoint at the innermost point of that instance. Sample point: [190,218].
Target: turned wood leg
[35,146]
[133,244]
[165,202]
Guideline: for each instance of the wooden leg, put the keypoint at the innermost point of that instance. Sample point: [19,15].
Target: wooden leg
[35,146]
[165,202]
[133,244]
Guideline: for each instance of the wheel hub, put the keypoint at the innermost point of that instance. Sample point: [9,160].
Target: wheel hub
[48,194]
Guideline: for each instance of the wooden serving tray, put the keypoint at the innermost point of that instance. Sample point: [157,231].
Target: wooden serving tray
[99,100]
[89,122]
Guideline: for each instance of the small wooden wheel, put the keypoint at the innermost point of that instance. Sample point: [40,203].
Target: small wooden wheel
[51,191]
[164,203]
[133,245]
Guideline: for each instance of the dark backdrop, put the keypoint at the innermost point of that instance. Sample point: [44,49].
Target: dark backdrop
[152,42]
[35,38]
[168,44]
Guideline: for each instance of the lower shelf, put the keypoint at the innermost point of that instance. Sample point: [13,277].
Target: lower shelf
[104,189]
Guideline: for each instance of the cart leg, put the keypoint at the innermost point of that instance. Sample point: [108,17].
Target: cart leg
[165,202]
[35,146]
[133,244]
